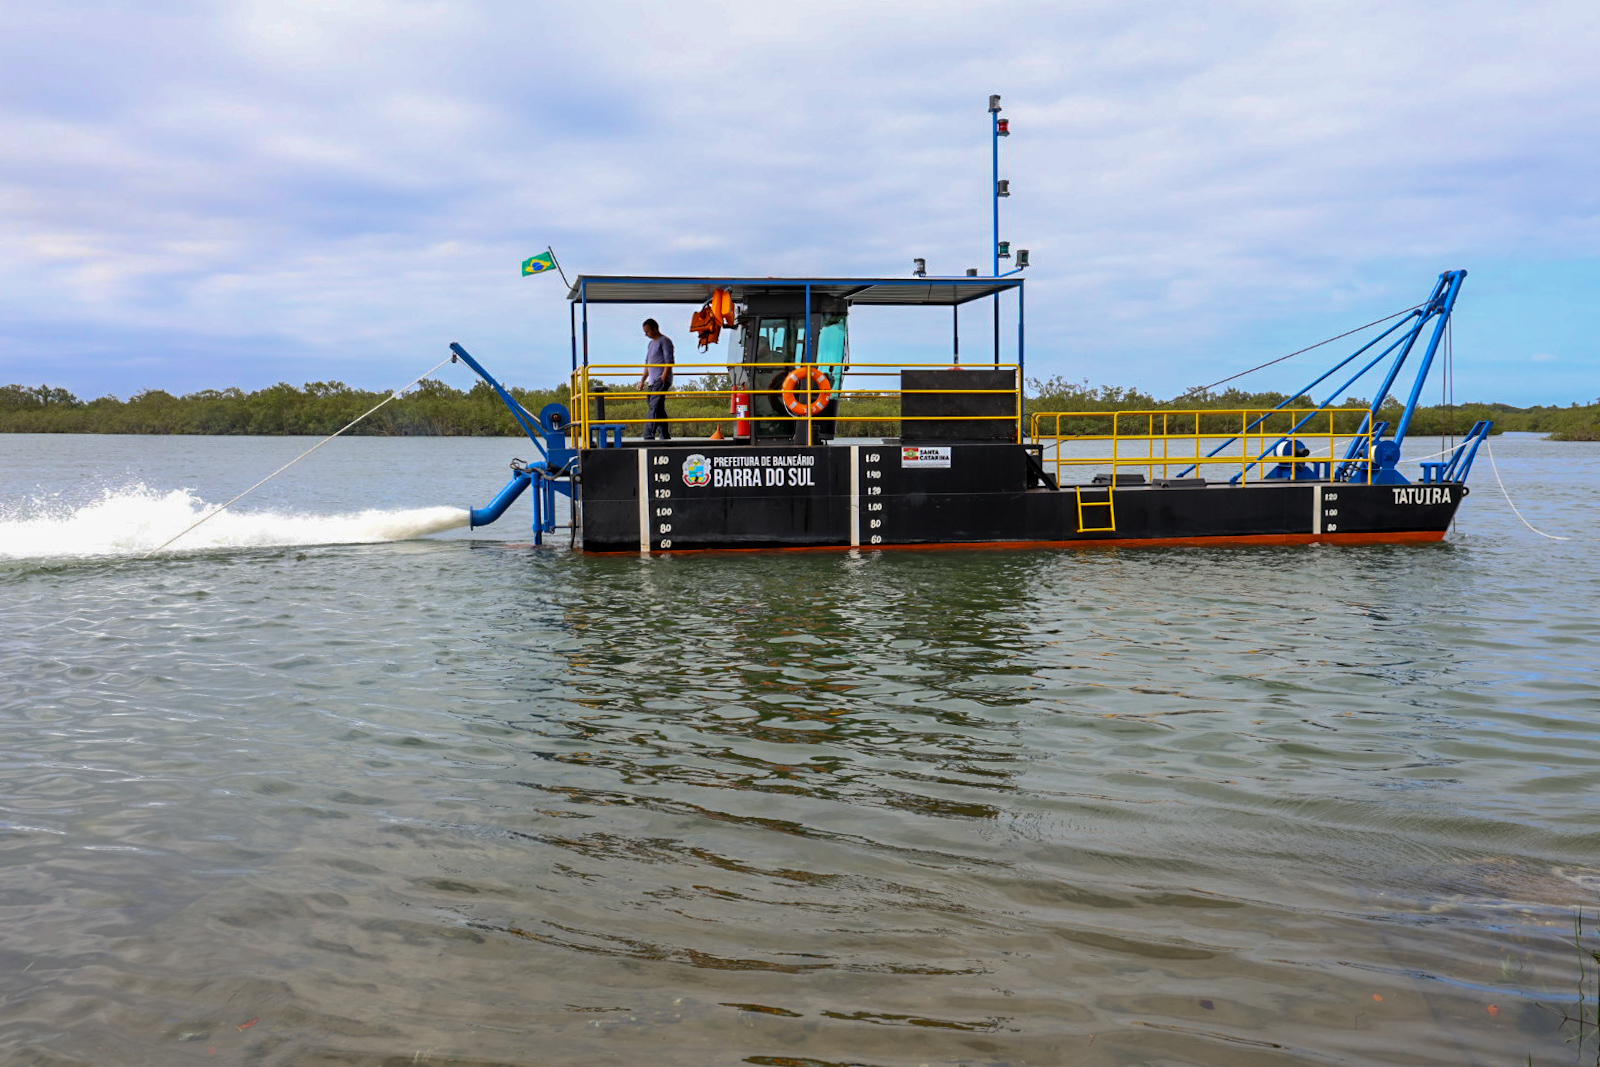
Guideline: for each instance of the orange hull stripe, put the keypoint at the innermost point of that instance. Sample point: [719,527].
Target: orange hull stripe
[1395,538]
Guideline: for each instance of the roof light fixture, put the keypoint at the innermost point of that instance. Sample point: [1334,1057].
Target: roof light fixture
[919,267]
[994,101]
[1004,127]
[1002,187]
[972,272]
[1022,259]
[1005,249]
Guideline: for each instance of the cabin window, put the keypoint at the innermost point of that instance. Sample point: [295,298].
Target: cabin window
[833,340]
[833,347]
[774,341]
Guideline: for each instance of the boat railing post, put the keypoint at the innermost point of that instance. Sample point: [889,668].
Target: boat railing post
[1116,444]
[808,356]
[955,333]
[1166,447]
[1244,446]
[1196,468]
[1022,381]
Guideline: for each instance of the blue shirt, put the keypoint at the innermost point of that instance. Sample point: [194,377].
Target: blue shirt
[658,361]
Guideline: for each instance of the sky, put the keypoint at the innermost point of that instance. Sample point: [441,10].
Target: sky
[200,195]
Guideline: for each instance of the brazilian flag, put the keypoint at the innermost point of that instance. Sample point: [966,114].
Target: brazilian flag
[538,264]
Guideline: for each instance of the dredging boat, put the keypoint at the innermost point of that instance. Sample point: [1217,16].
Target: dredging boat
[830,452]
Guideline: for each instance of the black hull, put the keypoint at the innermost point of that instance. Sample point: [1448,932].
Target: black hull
[702,497]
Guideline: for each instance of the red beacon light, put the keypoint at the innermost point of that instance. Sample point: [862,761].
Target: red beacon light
[1004,129]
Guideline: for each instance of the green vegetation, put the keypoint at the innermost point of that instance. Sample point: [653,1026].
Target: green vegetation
[1573,423]
[430,409]
[435,409]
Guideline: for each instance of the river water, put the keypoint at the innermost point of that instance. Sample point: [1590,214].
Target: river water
[452,799]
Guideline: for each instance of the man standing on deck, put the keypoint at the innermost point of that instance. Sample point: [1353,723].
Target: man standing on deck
[657,380]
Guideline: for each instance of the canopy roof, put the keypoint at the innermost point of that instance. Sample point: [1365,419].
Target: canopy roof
[905,292]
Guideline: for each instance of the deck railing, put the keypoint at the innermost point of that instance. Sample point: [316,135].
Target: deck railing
[1241,444]
[701,399]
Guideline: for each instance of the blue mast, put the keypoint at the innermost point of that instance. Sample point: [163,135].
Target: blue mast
[994,190]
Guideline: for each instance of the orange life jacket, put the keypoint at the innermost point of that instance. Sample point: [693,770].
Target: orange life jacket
[706,324]
[709,320]
[722,307]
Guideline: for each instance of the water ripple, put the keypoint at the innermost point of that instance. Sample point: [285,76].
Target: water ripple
[455,801]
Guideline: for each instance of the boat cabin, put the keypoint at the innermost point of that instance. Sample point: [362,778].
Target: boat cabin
[788,373]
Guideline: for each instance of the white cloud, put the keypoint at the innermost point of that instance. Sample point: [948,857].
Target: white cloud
[357,181]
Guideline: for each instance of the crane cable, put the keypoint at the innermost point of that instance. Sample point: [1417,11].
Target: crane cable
[1303,351]
[392,396]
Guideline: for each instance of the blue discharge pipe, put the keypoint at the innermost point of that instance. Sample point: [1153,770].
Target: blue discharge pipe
[548,476]
[497,507]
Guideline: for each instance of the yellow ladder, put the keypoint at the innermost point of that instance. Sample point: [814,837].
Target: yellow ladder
[1109,503]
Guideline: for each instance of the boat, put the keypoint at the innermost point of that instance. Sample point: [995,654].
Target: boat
[789,441]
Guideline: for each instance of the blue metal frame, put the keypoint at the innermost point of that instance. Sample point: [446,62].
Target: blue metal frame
[798,282]
[1459,465]
[994,194]
[1437,309]
[581,298]
[547,477]
[524,417]
[994,237]
[1440,304]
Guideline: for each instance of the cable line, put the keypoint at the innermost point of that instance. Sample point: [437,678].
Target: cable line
[392,396]
[1303,351]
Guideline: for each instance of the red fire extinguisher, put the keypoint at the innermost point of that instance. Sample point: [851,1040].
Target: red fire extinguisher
[739,406]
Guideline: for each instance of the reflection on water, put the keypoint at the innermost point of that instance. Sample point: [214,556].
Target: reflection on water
[463,802]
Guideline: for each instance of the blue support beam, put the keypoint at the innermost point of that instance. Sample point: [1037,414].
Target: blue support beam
[1441,306]
[552,474]
[1436,309]
[525,419]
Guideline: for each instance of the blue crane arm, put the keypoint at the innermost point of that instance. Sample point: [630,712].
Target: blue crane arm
[1441,304]
[554,474]
[525,419]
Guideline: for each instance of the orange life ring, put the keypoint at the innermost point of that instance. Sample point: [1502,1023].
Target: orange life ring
[821,390]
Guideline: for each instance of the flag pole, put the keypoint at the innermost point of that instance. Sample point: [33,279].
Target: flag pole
[557,262]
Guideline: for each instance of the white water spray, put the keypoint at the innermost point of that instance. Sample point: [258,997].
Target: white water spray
[134,520]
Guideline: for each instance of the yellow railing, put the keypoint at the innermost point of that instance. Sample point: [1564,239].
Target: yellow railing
[609,394]
[1168,444]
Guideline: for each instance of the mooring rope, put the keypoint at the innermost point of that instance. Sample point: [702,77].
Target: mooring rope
[1430,455]
[392,396]
[1303,351]
[1496,468]
[1493,465]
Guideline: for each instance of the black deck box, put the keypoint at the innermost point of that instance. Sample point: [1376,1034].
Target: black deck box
[980,405]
